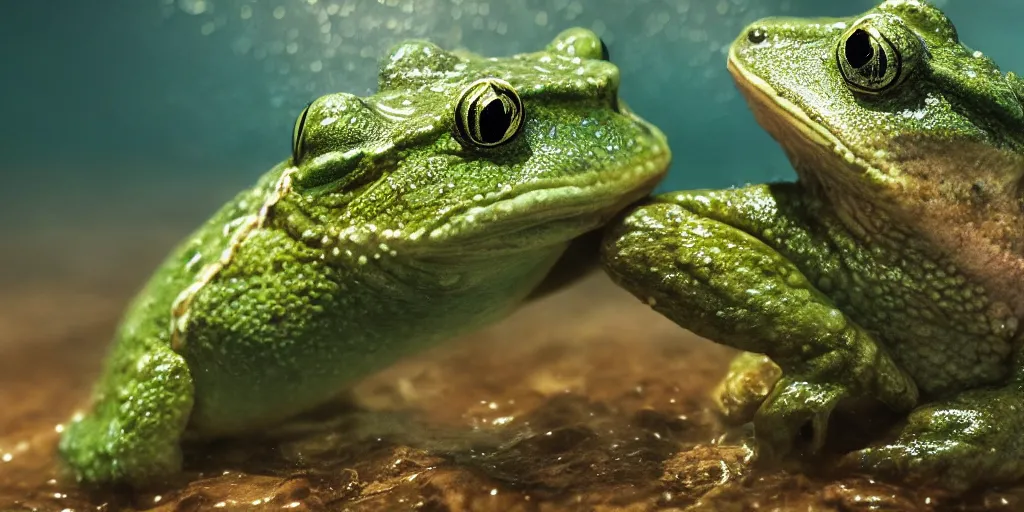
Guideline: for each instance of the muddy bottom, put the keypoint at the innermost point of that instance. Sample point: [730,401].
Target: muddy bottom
[586,400]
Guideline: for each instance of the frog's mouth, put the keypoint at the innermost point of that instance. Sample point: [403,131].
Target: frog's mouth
[773,111]
[810,146]
[548,212]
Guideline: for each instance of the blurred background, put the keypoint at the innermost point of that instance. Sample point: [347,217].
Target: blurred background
[146,115]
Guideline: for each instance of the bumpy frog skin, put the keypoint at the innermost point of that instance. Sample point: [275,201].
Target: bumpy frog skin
[404,218]
[890,273]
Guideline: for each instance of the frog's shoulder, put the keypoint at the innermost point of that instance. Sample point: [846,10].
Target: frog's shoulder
[208,246]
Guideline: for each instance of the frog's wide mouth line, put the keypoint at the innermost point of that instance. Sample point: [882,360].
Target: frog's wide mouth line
[753,87]
[564,202]
[769,101]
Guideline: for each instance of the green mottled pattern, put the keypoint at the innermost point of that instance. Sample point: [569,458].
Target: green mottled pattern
[383,234]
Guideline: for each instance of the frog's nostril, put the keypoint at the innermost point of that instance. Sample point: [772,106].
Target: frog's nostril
[757,35]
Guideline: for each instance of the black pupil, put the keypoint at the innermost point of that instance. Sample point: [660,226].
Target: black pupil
[297,135]
[858,49]
[494,121]
[604,52]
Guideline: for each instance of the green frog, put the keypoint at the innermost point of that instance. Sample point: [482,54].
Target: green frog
[404,218]
[890,275]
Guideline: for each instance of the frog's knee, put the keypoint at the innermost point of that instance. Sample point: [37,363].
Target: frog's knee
[132,431]
[751,377]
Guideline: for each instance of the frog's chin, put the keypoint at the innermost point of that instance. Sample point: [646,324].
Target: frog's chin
[816,153]
[550,213]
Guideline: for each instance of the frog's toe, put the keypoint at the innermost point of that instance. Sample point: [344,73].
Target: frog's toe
[794,418]
[132,432]
[100,454]
[957,445]
[919,463]
[745,387]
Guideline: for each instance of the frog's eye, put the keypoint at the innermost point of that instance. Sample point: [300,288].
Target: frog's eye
[297,136]
[489,113]
[869,62]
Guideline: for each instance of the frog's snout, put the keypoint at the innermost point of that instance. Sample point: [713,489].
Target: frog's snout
[611,86]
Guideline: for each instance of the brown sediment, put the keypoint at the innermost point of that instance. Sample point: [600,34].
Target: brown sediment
[585,400]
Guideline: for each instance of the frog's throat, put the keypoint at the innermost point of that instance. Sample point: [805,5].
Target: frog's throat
[813,149]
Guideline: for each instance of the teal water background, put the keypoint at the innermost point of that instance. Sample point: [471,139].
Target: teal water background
[124,104]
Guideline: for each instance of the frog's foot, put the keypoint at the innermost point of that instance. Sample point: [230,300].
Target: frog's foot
[132,433]
[794,417]
[750,379]
[957,444]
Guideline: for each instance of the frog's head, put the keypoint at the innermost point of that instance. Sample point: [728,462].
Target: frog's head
[460,151]
[887,110]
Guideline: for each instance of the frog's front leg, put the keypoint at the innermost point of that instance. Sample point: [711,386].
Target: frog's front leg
[728,265]
[973,438]
[140,408]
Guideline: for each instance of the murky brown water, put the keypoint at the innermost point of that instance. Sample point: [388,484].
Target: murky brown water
[586,400]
